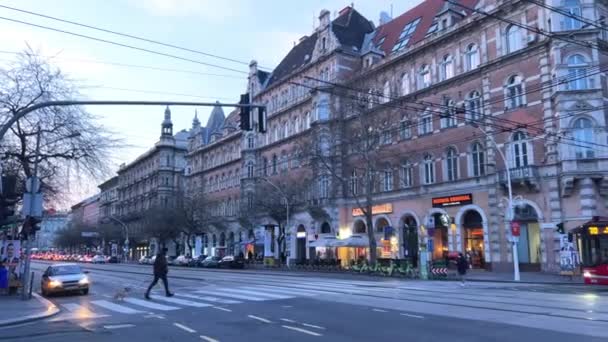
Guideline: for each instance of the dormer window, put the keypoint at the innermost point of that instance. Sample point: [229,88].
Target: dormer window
[380,42]
[406,34]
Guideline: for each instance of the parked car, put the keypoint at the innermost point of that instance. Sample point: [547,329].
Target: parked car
[198,261]
[61,278]
[98,259]
[113,260]
[144,260]
[211,262]
[182,260]
[230,261]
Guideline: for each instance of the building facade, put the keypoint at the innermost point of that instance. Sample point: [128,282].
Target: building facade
[52,222]
[108,199]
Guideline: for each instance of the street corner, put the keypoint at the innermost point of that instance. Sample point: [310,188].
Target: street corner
[16,311]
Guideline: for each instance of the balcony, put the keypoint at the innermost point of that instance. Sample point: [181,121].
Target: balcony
[524,176]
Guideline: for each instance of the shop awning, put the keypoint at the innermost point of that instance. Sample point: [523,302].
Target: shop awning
[323,241]
[353,241]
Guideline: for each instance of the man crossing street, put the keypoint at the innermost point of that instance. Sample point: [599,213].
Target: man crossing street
[160,272]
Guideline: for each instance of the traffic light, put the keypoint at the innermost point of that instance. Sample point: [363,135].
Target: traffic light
[245,113]
[30,226]
[560,228]
[7,209]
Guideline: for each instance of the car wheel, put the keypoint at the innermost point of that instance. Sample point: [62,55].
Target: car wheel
[85,292]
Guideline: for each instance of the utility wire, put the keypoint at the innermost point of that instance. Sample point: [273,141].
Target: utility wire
[127,35]
[124,45]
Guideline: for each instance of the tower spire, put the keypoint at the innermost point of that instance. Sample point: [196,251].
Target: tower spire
[167,125]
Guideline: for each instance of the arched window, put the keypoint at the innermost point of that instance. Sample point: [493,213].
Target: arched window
[448,119]
[472,57]
[250,170]
[214,240]
[386,92]
[514,96]
[570,22]
[406,174]
[451,164]
[473,106]
[275,163]
[424,76]
[577,72]
[405,84]
[513,38]
[447,67]
[387,179]
[584,135]
[429,169]
[325,228]
[478,160]
[520,150]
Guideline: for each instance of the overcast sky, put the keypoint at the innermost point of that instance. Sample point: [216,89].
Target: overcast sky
[242,30]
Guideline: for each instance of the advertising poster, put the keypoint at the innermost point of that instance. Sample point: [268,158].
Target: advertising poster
[11,257]
[568,257]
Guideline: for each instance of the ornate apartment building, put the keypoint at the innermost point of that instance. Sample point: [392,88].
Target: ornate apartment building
[459,93]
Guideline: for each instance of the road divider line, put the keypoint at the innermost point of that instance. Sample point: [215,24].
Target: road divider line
[301,330]
[288,320]
[118,326]
[221,308]
[259,318]
[313,326]
[412,316]
[208,339]
[185,328]
[379,310]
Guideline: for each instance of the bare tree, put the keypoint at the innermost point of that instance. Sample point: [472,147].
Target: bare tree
[73,144]
[163,223]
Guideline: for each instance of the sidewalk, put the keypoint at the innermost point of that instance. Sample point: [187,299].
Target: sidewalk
[526,277]
[17,311]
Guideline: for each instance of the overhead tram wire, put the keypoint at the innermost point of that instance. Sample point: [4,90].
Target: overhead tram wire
[124,45]
[147,40]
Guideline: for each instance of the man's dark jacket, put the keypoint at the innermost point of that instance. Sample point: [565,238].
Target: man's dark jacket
[160,265]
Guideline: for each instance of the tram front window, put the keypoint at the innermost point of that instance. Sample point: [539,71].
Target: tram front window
[595,250]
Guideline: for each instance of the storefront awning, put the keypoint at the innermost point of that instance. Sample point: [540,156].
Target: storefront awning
[353,241]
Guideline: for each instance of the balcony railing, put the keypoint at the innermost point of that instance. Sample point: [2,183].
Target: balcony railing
[520,174]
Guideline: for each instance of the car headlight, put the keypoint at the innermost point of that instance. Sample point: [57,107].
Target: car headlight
[55,283]
[83,281]
[586,274]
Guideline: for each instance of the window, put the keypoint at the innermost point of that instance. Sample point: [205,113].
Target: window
[296,125]
[447,67]
[451,164]
[583,133]
[265,166]
[274,164]
[250,141]
[323,43]
[448,118]
[473,106]
[577,72]
[284,161]
[426,125]
[405,131]
[307,120]
[570,22]
[514,96]
[472,57]
[429,169]
[387,136]
[276,133]
[513,38]
[354,183]
[424,77]
[324,186]
[478,160]
[379,42]
[406,175]
[388,179]
[406,34]
[386,92]
[323,110]
[405,84]
[520,150]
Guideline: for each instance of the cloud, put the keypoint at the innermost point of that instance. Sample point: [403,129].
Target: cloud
[212,10]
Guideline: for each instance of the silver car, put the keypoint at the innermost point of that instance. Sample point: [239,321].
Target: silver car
[61,278]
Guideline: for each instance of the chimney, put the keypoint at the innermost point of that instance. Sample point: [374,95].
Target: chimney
[324,18]
[384,18]
[253,67]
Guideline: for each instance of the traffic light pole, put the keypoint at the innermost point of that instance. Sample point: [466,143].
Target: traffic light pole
[28,246]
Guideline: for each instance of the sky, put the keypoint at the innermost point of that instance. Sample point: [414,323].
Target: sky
[243,30]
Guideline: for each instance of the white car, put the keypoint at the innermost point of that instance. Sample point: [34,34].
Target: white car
[144,260]
[182,260]
[60,278]
[98,259]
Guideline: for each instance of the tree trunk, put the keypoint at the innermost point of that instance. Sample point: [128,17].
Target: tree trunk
[280,242]
[372,237]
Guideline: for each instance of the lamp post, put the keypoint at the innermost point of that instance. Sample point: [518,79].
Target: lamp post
[286,202]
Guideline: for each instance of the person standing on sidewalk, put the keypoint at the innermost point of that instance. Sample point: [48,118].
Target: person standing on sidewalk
[160,272]
[462,266]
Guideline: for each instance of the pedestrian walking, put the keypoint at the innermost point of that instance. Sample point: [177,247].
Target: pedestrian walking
[462,265]
[160,272]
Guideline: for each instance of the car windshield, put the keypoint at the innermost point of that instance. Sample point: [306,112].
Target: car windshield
[66,269]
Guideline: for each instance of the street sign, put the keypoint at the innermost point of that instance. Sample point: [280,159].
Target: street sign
[32,205]
[515,229]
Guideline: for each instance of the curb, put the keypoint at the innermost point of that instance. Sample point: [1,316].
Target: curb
[523,282]
[51,310]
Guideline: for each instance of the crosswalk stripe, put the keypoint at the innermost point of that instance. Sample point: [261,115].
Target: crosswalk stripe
[332,289]
[233,295]
[182,301]
[258,293]
[74,307]
[209,299]
[288,291]
[150,305]
[115,307]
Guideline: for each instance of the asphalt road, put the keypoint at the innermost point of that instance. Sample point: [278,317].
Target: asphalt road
[244,305]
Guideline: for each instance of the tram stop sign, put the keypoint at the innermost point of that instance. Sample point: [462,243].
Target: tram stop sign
[515,229]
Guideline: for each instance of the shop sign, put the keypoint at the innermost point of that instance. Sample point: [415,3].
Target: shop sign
[448,201]
[593,230]
[386,208]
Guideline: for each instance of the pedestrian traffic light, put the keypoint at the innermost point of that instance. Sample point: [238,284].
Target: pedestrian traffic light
[245,113]
[560,228]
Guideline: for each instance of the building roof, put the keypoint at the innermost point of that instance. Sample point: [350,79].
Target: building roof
[112,182]
[299,56]
[214,124]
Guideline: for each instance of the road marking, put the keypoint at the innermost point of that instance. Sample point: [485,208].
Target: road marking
[150,305]
[259,318]
[221,308]
[208,339]
[150,315]
[209,299]
[185,328]
[234,295]
[115,307]
[74,307]
[118,326]
[301,330]
[410,315]
[259,294]
[286,306]
[288,320]
[312,326]
[182,301]
[379,310]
